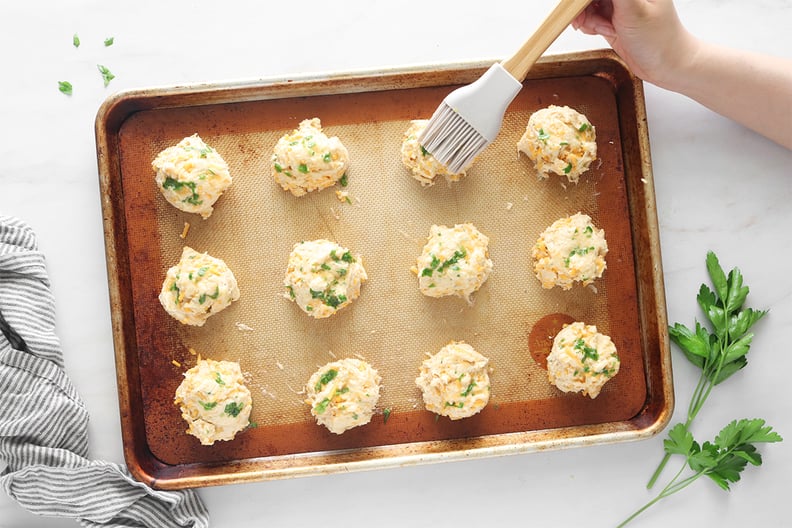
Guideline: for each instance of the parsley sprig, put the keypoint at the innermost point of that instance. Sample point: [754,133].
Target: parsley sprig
[721,460]
[719,352]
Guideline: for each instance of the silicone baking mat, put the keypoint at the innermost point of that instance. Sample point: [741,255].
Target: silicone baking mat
[392,325]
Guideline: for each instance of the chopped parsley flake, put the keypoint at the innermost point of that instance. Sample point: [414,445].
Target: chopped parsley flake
[109,41]
[76,41]
[233,409]
[385,415]
[107,76]
[568,168]
[321,407]
[344,181]
[326,378]
[65,87]
[543,136]
[218,379]
[208,406]
[303,168]
[327,158]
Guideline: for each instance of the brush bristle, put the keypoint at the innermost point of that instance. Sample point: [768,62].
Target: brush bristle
[451,140]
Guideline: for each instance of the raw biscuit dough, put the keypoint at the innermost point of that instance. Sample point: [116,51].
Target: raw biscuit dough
[323,277]
[454,381]
[559,139]
[197,287]
[191,175]
[343,394]
[306,160]
[582,360]
[454,261]
[421,163]
[571,250]
[214,400]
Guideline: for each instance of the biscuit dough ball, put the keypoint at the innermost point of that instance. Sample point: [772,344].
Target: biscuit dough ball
[306,160]
[571,250]
[323,277]
[214,400]
[454,261]
[582,360]
[454,381]
[191,175]
[423,166]
[198,286]
[561,140]
[343,394]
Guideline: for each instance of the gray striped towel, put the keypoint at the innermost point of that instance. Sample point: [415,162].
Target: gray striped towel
[43,422]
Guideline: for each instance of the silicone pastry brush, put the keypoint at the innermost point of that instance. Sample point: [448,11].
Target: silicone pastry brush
[470,117]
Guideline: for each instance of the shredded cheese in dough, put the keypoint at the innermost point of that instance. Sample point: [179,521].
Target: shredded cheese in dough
[323,277]
[571,250]
[191,176]
[214,400]
[342,394]
[455,382]
[197,287]
[582,360]
[306,160]
[454,261]
[561,140]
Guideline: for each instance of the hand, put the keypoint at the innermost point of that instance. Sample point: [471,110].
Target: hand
[647,35]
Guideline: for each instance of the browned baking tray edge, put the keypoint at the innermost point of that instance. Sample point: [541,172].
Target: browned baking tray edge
[651,419]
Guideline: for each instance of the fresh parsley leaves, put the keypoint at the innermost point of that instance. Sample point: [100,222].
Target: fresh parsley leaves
[107,75]
[719,351]
[721,460]
[65,87]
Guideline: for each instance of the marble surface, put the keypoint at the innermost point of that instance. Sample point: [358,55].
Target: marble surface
[719,187]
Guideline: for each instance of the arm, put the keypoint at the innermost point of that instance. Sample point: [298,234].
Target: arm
[752,89]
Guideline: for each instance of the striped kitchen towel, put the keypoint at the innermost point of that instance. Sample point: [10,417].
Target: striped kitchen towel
[44,423]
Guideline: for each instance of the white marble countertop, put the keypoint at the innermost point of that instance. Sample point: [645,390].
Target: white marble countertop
[719,187]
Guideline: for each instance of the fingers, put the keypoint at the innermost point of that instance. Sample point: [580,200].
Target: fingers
[592,21]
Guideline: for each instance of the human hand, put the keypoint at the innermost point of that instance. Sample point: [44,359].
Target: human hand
[647,35]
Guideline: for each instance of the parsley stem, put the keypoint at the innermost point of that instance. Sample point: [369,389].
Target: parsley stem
[671,488]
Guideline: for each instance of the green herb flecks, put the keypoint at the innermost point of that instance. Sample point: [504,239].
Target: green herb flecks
[584,127]
[208,406]
[344,181]
[218,379]
[233,409]
[176,185]
[440,266]
[321,407]
[568,168]
[303,168]
[109,41]
[424,152]
[326,378]
[385,415]
[107,75]
[329,297]
[327,158]
[76,40]
[588,352]
[65,87]
[468,390]
[542,135]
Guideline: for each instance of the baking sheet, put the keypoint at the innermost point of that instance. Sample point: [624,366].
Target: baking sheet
[393,326]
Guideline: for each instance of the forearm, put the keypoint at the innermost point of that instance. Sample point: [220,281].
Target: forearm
[754,90]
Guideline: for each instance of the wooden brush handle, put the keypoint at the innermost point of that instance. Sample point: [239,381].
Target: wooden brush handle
[525,57]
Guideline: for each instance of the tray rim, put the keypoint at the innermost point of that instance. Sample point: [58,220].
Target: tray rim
[653,417]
